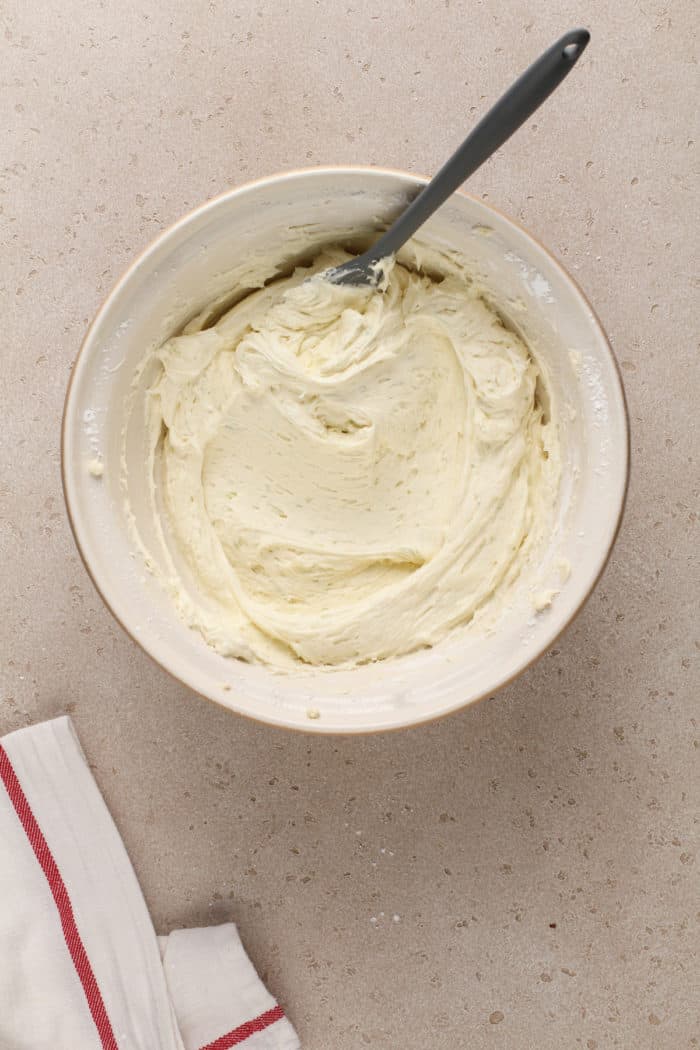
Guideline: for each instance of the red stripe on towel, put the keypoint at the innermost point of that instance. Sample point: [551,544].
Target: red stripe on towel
[62,900]
[244,1031]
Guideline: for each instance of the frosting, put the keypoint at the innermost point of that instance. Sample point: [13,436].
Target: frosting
[346,474]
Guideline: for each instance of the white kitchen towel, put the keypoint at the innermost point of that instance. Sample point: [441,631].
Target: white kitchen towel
[80,965]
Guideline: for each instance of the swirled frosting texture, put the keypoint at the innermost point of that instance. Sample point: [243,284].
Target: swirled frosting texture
[349,474]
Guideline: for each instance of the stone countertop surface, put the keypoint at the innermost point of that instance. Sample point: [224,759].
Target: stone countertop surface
[523,874]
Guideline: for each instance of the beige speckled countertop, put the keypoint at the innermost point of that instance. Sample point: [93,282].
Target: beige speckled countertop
[541,849]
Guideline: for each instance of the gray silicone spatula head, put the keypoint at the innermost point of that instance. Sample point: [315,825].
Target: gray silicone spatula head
[520,101]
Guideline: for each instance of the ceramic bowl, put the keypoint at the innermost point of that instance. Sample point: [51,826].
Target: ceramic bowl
[196,260]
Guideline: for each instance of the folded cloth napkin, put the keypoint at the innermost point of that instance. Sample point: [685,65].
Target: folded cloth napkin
[80,965]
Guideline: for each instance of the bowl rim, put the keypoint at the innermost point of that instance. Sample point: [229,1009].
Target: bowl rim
[317,727]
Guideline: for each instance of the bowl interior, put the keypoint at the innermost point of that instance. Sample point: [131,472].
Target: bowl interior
[216,249]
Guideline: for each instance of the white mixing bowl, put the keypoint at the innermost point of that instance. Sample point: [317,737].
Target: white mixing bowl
[186,268]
